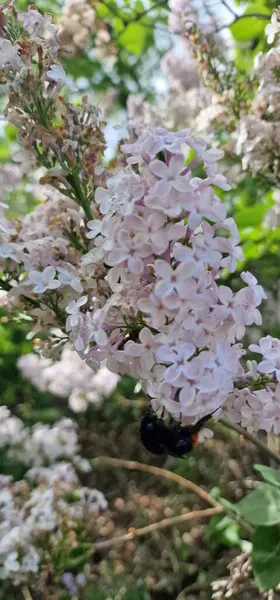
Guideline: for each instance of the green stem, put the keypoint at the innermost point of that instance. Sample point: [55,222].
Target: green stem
[74,181]
[41,110]
[53,304]
[75,242]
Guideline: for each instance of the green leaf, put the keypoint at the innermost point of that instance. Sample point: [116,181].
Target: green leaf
[270,475]
[184,552]
[82,65]
[118,25]
[190,157]
[252,216]
[250,27]
[46,415]
[266,557]
[102,10]
[11,132]
[262,506]
[134,38]
[223,530]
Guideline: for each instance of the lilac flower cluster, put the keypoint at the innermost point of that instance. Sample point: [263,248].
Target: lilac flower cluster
[42,444]
[45,510]
[165,239]
[69,377]
[38,516]
[128,262]
[257,133]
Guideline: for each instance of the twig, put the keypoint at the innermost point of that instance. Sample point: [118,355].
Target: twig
[261,16]
[229,8]
[138,16]
[190,485]
[194,587]
[133,533]
[159,4]
[247,16]
[136,466]
[252,438]
[26,593]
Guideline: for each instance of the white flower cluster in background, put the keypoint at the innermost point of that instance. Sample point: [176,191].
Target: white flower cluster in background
[187,101]
[42,513]
[258,132]
[70,377]
[35,517]
[41,444]
[76,24]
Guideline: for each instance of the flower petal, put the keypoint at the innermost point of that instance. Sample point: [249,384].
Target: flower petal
[159,169]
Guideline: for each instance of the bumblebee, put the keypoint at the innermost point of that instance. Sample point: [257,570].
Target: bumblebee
[176,441]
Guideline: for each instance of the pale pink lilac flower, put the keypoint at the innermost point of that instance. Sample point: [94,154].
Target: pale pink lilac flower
[56,73]
[43,280]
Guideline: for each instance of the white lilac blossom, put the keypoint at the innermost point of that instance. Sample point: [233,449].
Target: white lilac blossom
[40,445]
[180,12]
[43,281]
[69,377]
[56,73]
[181,68]
[44,510]
[9,55]
[37,25]
[269,347]
[37,515]
[257,133]
[273,28]
[48,444]
[76,24]
[11,428]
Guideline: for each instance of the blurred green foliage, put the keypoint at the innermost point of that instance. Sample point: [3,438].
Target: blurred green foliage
[132,26]
[133,593]
[261,508]
[20,395]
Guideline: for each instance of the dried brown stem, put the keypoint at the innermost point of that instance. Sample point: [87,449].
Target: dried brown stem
[190,485]
[136,466]
[194,587]
[26,593]
[133,533]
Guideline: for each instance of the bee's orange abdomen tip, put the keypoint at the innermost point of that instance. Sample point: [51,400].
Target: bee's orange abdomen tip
[195,437]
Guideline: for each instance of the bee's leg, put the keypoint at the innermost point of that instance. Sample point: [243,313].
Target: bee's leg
[198,426]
